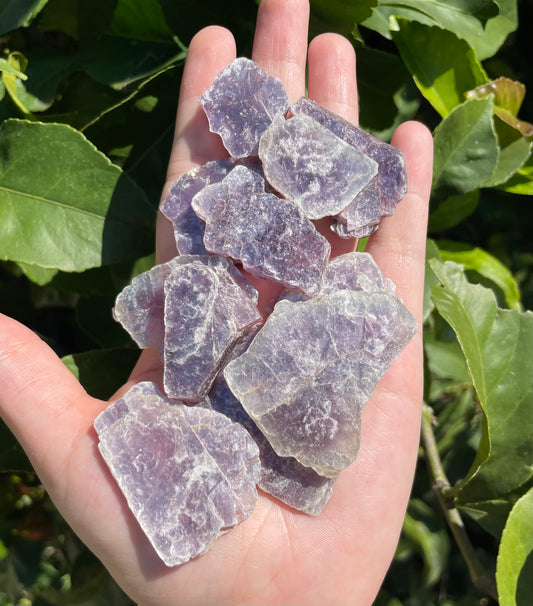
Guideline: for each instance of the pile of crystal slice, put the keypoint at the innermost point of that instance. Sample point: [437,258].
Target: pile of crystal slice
[248,401]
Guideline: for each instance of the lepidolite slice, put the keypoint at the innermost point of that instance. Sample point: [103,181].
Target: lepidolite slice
[354,271]
[140,305]
[380,197]
[269,235]
[311,368]
[282,477]
[312,167]
[188,228]
[241,103]
[188,474]
[208,317]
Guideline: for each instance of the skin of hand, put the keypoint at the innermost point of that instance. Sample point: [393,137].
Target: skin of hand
[277,556]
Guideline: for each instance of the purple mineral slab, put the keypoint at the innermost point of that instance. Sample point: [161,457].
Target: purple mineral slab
[241,103]
[269,235]
[208,317]
[188,228]
[188,474]
[312,167]
[354,271]
[140,305]
[382,194]
[282,477]
[311,368]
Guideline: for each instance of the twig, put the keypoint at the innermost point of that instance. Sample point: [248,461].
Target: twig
[480,577]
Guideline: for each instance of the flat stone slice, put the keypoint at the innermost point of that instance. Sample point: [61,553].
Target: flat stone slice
[391,177]
[362,216]
[184,484]
[312,167]
[139,307]
[311,368]
[188,228]
[270,236]
[354,271]
[241,103]
[208,318]
[282,477]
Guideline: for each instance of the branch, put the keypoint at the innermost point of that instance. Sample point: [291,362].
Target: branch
[480,577]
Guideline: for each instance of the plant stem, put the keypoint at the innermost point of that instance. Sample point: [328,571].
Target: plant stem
[480,577]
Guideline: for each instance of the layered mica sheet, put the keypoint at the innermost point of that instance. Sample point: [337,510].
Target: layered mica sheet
[282,477]
[249,402]
[312,167]
[268,235]
[188,473]
[240,105]
[311,368]
[381,195]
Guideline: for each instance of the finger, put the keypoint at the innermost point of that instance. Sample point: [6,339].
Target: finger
[280,42]
[332,83]
[212,49]
[40,399]
[209,52]
[399,245]
[332,76]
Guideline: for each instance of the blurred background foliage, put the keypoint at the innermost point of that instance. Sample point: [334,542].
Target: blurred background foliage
[88,94]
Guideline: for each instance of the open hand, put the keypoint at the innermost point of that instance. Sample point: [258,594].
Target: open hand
[277,556]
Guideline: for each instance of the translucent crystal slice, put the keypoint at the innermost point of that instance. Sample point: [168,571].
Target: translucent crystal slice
[269,235]
[362,216]
[311,368]
[241,103]
[283,477]
[208,318]
[140,305]
[312,167]
[188,474]
[188,228]
[354,271]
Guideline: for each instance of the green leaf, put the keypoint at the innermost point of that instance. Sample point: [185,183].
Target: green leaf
[479,260]
[432,252]
[510,161]
[383,102]
[452,211]
[443,66]
[445,359]
[508,97]
[340,16]
[45,71]
[63,205]
[488,40]
[15,13]
[140,20]
[7,68]
[60,16]
[498,348]
[428,532]
[514,569]
[466,148]
[462,17]
[118,62]
[38,275]
[18,63]
[102,371]
[185,19]
[125,41]
[522,181]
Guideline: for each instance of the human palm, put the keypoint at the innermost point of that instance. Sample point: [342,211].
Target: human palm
[278,555]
